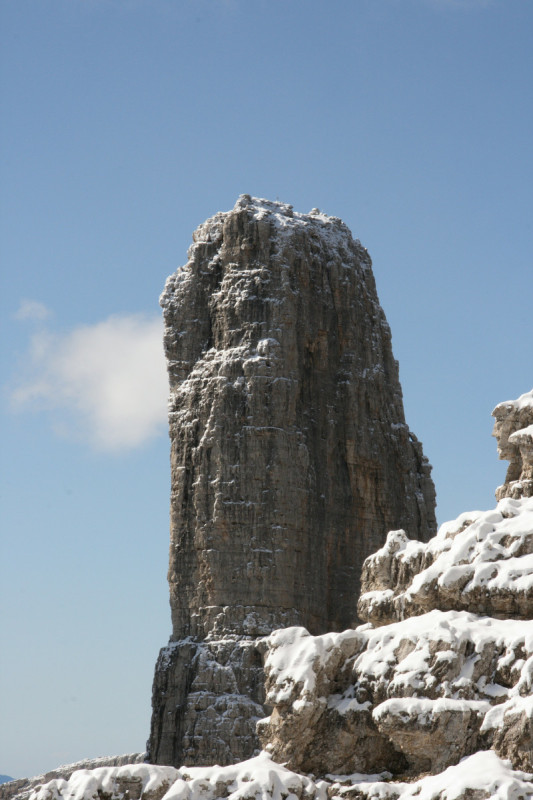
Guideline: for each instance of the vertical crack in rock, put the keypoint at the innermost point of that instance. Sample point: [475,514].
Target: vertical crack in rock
[290,460]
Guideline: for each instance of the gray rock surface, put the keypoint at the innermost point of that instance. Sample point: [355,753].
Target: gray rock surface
[290,458]
[220,683]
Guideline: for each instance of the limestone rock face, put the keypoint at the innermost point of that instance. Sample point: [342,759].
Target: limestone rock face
[411,697]
[513,429]
[425,682]
[480,562]
[290,457]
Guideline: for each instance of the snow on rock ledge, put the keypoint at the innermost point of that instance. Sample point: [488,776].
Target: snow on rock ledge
[481,562]
[480,776]
[513,430]
[256,779]
[409,697]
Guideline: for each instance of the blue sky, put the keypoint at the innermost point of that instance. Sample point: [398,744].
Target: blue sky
[126,123]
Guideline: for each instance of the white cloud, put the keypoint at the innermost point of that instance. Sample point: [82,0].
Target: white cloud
[104,383]
[33,311]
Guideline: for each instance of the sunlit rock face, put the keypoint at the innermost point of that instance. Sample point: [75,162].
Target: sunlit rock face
[408,698]
[481,562]
[290,459]
[513,429]
[442,669]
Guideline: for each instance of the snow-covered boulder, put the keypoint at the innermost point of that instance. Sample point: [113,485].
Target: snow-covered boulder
[478,777]
[480,562]
[257,779]
[409,697]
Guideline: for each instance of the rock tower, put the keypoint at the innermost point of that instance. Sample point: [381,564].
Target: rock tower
[290,460]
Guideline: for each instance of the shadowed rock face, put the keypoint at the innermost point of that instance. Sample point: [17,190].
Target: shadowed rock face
[290,458]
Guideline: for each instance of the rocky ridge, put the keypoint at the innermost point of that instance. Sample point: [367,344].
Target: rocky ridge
[435,706]
[425,682]
[23,788]
[478,777]
[290,458]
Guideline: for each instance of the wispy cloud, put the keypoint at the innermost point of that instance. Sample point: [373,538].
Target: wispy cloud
[32,311]
[105,383]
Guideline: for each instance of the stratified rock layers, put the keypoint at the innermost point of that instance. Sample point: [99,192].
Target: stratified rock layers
[290,460]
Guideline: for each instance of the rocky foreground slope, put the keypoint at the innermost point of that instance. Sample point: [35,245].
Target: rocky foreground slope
[443,668]
[290,459]
[434,706]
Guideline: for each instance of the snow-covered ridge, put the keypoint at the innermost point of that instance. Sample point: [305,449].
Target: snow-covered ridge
[260,778]
[524,401]
[22,788]
[422,688]
[482,561]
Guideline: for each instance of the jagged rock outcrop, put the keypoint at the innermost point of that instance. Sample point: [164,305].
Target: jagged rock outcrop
[411,697]
[513,429]
[424,683]
[481,562]
[290,459]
